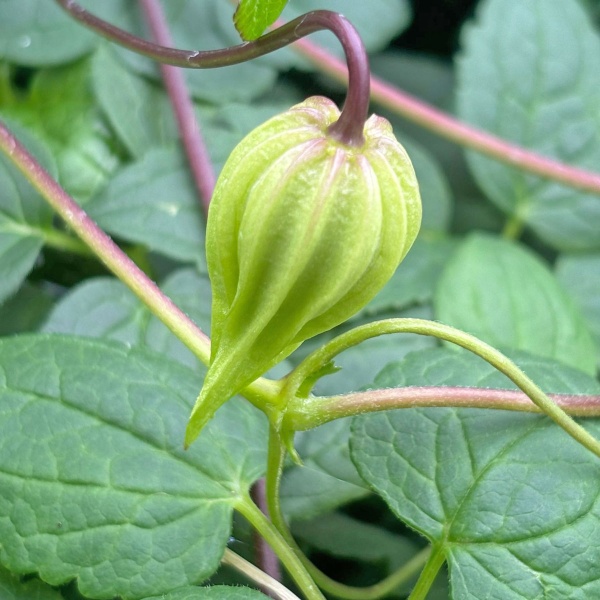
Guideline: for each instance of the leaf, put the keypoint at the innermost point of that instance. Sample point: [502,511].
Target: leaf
[153,202]
[196,26]
[511,500]
[436,196]
[138,111]
[252,17]
[95,482]
[12,588]
[24,216]
[60,107]
[327,477]
[106,308]
[37,33]
[580,277]
[378,21]
[415,279]
[26,310]
[530,73]
[343,537]
[216,592]
[502,293]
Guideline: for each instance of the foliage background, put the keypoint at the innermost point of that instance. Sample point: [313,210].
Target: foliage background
[504,255]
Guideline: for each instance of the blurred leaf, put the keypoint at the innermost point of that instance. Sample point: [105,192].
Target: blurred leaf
[343,537]
[13,588]
[504,294]
[138,111]
[252,17]
[38,33]
[26,310]
[95,482]
[435,191]
[530,73]
[59,105]
[24,216]
[580,277]
[415,279]
[510,499]
[327,478]
[215,592]
[106,308]
[196,26]
[153,202]
[377,21]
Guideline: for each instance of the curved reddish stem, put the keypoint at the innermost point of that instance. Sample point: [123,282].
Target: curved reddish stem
[349,127]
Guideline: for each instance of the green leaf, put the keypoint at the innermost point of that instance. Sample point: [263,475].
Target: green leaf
[26,310]
[59,105]
[153,202]
[252,17]
[435,191]
[377,21]
[138,111]
[24,216]
[12,588]
[95,482]
[343,537]
[217,592]
[327,477]
[38,33]
[504,294]
[106,308]
[197,26]
[511,500]
[580,277]
[415,279]
[530,73]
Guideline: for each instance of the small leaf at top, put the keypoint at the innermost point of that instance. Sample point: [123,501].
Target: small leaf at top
[252,17]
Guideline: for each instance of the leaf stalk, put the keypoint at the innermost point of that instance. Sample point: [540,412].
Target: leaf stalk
[348,129]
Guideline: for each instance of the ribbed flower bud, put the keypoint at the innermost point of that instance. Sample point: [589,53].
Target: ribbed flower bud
[302,232]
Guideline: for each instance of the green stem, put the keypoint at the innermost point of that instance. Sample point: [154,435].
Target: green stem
[103,247]
[288,557]
[65,242]
[322,356]
[428,575]
[513,228]
[275,461]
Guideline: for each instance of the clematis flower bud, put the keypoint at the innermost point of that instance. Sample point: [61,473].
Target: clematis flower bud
[302,232]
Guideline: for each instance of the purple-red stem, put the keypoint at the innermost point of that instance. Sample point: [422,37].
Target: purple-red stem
[204,180]
[331,408]
[450,128]
[103,247]
[348,128]
[183,108]
[266,559]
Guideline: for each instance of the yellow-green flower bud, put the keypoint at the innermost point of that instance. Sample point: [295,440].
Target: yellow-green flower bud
[302,232]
